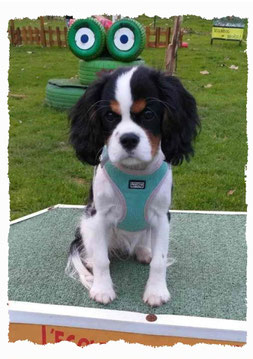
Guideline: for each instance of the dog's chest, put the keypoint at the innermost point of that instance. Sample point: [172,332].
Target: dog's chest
[132,195]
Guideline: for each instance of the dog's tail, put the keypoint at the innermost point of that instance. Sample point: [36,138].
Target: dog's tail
[76,267]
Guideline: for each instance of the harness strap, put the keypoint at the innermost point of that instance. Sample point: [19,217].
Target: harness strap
[135,192]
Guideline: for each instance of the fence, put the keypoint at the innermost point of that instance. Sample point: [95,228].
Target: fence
[155,36]
[43,36]
[48,37]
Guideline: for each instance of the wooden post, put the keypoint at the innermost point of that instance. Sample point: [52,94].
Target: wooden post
[19,37]
[42,32]
[167,37]
[157,36]
[24,34]
[58,36]
[50,34]
[30,35]
[171,52]
[12,30]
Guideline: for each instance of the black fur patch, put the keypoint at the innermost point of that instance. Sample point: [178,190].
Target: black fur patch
[176,112]
[90,209]
[86,132]
[77,244]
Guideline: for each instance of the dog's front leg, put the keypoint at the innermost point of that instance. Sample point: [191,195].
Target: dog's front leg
[102,288]
[156,292]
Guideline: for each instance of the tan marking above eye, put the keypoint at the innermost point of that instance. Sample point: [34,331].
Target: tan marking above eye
[115,106]
[138,105]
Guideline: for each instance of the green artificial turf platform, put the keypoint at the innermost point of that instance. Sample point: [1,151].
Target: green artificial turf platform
[208,278]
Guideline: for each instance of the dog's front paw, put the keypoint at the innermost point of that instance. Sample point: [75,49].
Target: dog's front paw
[156,295]
[102,294]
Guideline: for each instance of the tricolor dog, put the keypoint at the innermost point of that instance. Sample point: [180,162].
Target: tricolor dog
[133,125]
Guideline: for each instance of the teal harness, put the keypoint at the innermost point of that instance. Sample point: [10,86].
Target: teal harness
[135,193]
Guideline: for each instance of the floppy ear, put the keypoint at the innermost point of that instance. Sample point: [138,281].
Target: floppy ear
[180,123]
[86,133]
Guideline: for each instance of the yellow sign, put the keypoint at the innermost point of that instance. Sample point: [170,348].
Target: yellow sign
[43,334]
[227,33]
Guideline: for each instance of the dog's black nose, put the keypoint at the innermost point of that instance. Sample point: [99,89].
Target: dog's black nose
[129,141]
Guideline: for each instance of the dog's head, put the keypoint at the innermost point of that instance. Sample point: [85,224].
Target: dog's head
[135,112]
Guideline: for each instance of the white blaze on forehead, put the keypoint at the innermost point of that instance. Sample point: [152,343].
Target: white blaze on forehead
[123,92]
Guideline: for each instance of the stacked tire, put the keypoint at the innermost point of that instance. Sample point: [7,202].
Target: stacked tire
[99,51]
[63,94]
[91,70]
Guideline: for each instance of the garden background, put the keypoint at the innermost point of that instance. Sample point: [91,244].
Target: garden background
[43,169]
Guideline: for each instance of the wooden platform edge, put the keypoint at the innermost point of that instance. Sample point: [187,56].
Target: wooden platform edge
[56,322]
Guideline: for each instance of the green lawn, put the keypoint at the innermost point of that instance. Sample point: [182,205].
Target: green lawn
[43,170]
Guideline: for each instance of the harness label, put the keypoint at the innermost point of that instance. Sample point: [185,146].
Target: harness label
[133,184]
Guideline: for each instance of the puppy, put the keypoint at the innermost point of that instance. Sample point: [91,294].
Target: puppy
[132,125]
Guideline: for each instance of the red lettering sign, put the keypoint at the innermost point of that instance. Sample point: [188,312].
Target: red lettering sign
[57,336]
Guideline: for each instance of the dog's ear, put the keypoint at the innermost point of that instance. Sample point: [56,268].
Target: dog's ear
[180,123]
[86,133]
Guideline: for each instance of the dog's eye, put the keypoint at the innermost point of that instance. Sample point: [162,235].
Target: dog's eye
[148,115]
[111,116]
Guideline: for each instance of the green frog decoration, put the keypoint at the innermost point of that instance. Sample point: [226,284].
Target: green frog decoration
[100,49]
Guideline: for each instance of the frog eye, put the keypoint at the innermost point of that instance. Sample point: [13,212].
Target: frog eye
[125,40]
[86,38]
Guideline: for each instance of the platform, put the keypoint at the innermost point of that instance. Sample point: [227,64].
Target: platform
[207,283]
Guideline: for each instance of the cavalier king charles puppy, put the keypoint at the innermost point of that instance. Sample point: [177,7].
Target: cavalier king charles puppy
[132,124]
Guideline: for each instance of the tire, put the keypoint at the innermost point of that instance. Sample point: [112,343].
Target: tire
[63,93]
[90,70]
[86,38]
[126,39]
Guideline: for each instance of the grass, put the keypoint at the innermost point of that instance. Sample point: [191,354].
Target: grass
[43,169]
